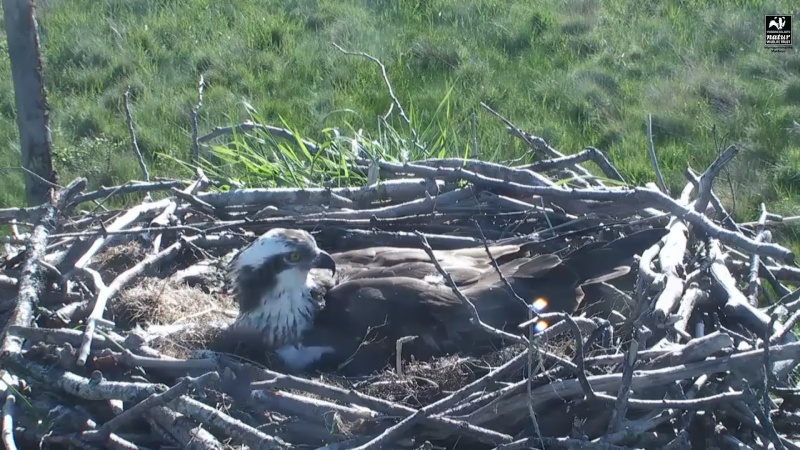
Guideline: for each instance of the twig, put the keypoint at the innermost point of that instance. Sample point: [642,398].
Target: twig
[766,422]
[556,442]
[707,178]
[464,300]
[621,404]
[651,150]
[132,131]
[128,188]
[580,363]
[755,259]
[236,429]
[536,142]
[399,353]
[190,435]
[154,400]
[201,84]
[385,76]
[785,328]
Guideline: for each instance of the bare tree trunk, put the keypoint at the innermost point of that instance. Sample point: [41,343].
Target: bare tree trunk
[31,99]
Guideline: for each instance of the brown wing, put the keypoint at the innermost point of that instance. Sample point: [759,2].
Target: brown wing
[364,318]
[462,275]
[354,261]
[594,260]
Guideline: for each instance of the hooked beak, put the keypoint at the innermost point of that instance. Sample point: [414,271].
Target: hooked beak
[324,261]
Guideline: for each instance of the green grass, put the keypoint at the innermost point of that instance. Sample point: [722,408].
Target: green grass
[576,72]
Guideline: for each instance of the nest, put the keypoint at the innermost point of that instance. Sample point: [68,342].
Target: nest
[116,334]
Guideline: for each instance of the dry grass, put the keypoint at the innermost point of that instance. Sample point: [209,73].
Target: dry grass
[114,260]
[424,382]
[197,316]
[169,301]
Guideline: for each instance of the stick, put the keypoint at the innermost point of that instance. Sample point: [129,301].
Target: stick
[249,125]
[737,306]
[641,195]
[132,215]
[672,267]
[190,435]
[399,353]
[640,380]
[707,178]
[154,400]
[624,392]
[755,260]
[395,191]
[236,429]
[536,142]
[82,387]
[31,283]
[201,84]
[128,188]
[132,131]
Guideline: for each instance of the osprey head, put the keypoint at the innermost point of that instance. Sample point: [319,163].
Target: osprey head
[284,250]
[273,286]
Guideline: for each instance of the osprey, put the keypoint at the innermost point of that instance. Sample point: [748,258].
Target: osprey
[347,310]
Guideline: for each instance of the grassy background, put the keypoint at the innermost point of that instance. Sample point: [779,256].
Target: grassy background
[576,72]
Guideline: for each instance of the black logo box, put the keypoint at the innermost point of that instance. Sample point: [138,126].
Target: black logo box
[778,37]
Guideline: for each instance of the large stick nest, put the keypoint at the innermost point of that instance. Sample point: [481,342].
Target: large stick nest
[114,319]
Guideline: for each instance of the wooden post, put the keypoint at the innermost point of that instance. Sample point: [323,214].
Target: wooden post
[31,99]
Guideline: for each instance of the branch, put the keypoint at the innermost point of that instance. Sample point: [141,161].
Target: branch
[707,178]
[132,131]
[31,284]
[154,400]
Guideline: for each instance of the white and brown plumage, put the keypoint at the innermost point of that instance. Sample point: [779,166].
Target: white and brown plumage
[316,309]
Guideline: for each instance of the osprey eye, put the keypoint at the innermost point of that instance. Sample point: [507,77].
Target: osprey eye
[294,256]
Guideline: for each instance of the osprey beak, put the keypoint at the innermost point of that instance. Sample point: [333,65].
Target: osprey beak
[324,261]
